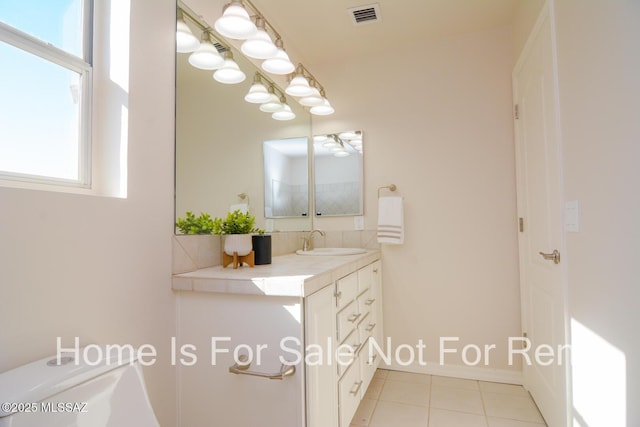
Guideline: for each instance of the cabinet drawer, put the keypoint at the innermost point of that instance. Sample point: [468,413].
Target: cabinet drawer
[347,319]
[367,327]
[350,345]
[368,364]
[365,302]
[349,392]
[346,289]
[364,278]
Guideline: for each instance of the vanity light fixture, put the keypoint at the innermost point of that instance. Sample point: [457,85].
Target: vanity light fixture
[299,85]
[229,73]
[273,104]
[279,63]
[285,113]
[206,56]
[235,22]
[322,110]
[258,93]
[314,99]
[260,45]
[185,40]
[341,153]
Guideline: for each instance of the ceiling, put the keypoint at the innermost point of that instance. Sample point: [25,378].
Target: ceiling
[317,31]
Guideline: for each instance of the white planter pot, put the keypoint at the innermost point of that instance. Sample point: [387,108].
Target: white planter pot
[239,243]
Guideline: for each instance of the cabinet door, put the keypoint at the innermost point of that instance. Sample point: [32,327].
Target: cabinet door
[322,400]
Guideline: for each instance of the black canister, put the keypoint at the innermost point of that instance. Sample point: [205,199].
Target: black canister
[262,249]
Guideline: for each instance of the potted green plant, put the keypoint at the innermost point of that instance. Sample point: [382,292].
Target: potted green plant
[237,228]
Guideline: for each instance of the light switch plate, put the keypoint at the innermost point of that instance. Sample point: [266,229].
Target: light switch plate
[571,216]
[358,223]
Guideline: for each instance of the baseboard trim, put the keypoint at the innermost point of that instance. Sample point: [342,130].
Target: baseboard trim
[458,371]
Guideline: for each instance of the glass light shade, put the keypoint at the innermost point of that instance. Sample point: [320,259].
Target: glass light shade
[272,105]
[206,57]
[322,110]
[348,135]
[229,73]
[341,153]
[320,138]
[299,86]
[279,64]
[260,46]
[235,22]
[284,114]
[330,143]
[257,94]
[185,40]
[336,148]
[315,99]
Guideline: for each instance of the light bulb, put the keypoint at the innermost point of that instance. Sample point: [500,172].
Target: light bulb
[322,110]
[257,94]
[299,86]
[229,73]
[280,63]
[206,57]
[260,45]
[185,40]
[235,22]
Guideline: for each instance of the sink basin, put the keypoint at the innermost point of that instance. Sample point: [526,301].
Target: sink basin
[332,251]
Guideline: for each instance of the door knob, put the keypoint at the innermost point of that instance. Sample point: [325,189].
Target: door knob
[553,256]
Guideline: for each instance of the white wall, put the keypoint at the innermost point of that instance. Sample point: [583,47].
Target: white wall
[437,123]
[95,267]
[599,65]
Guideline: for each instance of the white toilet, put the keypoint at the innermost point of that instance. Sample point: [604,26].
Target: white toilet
[84,393]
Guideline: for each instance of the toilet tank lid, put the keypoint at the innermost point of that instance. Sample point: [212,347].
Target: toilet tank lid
[38,380]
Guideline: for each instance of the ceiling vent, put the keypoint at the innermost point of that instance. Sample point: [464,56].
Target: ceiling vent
[366,14]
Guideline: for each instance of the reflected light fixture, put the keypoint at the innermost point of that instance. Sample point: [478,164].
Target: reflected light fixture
[341,153]
[185,40]
[229,73]
[273,104]
[235,22]
[280,63]
[285,113]
[299,85]
[258,93]
[260,45]
[206,56]
[314,99]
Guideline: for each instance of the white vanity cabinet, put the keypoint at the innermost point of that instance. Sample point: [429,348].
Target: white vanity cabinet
[356,312]
[329,319]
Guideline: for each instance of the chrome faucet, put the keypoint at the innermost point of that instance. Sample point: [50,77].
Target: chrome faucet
[307,243]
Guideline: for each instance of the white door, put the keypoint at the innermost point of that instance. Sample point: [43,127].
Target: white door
[539,207]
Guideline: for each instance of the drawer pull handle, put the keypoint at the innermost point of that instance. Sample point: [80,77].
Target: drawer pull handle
[356,388]
[370,327]
[375,270]
[370,301]
[354,317]
[356,348]
[338,295]
[372,359]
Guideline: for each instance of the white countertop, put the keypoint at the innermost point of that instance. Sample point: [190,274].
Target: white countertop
[287,275]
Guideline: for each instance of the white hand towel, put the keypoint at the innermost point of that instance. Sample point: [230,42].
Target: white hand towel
[390,220]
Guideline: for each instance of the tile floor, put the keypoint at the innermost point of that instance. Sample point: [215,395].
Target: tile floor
[400,399]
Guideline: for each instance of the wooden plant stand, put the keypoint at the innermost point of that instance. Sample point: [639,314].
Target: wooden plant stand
[237,260]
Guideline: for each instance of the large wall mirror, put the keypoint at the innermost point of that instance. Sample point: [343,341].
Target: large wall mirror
[338,173]
[219,144]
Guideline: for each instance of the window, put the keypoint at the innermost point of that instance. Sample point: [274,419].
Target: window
[45,91]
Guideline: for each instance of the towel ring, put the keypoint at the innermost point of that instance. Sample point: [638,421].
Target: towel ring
[391,187]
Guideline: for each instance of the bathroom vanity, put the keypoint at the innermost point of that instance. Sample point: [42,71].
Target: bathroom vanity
[317,314]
